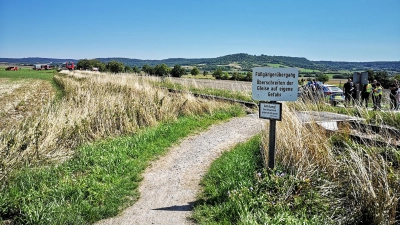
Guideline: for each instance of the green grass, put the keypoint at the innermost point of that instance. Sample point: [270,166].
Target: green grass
[25,73]
[28,74]
[238,191]
[101,179]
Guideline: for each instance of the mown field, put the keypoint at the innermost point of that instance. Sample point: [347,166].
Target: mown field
[78,157]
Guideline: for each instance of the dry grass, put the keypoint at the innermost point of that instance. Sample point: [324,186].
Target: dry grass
[95,106]
[22,98]
[358,179]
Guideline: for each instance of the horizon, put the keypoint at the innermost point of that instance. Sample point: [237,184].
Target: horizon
[339,31]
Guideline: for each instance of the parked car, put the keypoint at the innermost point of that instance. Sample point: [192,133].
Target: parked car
[321,92]
[12,68]
[332,94]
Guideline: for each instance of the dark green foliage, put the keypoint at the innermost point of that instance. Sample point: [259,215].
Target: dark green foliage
[380,76]
[218,73]
[148,69]
[136,69]
[127,69]
[178,71]
[323,78]
[89,64]
[161,70]
[115,66]
[195,71]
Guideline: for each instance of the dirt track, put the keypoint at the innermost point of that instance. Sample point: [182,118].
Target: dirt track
[171,183]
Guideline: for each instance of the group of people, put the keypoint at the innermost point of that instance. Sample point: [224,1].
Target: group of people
[375,90]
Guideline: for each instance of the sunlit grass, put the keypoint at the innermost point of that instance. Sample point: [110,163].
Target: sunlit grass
[100,180]
[94,107]
[320,179]
[238,190]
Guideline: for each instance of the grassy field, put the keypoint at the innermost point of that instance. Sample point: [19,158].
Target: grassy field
[319,179]
[60,165]
[100,180]
[27,73]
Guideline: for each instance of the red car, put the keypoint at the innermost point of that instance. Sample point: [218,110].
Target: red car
[12,68]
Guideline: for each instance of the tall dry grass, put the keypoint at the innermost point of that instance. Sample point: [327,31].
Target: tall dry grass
[95,106]
[360,181]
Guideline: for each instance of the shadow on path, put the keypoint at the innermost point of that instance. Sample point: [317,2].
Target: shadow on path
[187,207]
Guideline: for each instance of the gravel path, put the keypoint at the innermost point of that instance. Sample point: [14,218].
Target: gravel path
[171,183]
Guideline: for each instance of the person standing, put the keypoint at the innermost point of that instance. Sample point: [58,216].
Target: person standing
[394,86]
[378,91]
[348,90]
[366,92]
[354,94]
[373,89]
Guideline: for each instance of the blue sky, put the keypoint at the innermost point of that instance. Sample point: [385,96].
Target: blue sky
[336,30]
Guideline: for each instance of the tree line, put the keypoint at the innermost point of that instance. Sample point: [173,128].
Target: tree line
[159,70]
[220,73]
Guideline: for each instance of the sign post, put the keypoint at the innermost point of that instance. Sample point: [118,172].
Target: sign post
[270,85]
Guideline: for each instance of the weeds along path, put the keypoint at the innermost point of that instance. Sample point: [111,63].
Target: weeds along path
[171,183]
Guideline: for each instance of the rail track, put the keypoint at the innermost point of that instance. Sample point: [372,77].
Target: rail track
[360,132]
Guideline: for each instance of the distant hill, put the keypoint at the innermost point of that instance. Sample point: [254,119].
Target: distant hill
[383,65]
[240,61]
[34,60]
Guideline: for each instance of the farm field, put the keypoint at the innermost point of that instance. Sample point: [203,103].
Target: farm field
[22,94]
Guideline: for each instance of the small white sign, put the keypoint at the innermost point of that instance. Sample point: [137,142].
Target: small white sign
[275,84]
[270,110]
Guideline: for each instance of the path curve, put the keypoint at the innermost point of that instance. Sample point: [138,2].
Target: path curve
[171,183]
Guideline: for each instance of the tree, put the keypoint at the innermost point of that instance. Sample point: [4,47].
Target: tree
[194,71]
[236,76]
[178,71]
[205,73]
[161,70]
[88,64]
[397,77]
[371,75]
[83,64]
[147,69]
[249,76]
[128,69]
[323,78]
[381,76]
[115,66]
[218,73]
[225,76]
[96,63]
[135,69]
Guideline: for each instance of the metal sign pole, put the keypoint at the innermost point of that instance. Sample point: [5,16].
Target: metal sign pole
[272,137]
